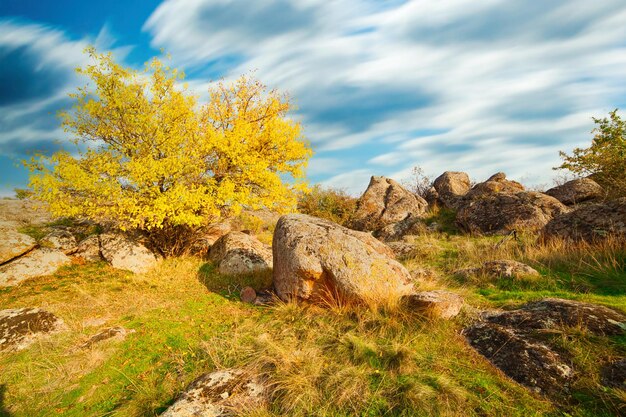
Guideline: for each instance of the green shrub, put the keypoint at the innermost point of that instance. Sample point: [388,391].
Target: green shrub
[327,203]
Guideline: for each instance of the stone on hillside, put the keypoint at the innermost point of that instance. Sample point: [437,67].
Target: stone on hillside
[35,263]
[438,303]
[614,374]
[313,256]
[450,187]
[24,212]
[396,231]
[502,213]
[577,191]
[117,332]
[498,269]
[89,249]
[496,184]
[385,202]
[590,222]
[60,239]
[219,394]
[19,328]
[248,295]
[126,253]
[14,244]
[402,250]
[239,253]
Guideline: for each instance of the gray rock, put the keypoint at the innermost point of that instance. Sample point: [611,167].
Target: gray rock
[239,253]
[577,191]
[19,328]
[314,256]
[60,239]
[124,252]
[496,184]
[438,303]
[35,263]
[614,374]
[89,249]
[451,187]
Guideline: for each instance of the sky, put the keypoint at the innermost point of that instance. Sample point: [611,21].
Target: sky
[381,86]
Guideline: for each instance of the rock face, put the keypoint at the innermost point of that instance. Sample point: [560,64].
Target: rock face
[450,187]
[313,256]
[385,202]
[501,213]
[20,327]
[122,252]
[591,222]
[60,239]
[614,374]
[13,243]
[396,231]
[239,253]
[438,303]
[89,249]
[219,394]
[24,212]
[510,340]
[577,191]
[37,262]
[496,184]
[499,268]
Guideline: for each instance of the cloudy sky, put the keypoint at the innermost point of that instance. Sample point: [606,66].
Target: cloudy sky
[381,85]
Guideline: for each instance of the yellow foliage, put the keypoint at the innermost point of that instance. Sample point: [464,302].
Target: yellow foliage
[151,157]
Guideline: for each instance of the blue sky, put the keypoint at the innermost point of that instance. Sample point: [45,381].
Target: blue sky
[381,85]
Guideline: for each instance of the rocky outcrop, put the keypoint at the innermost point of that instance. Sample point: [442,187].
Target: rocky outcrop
[451,187]
[496,184]
[24,212]
[511,340]
[219,394]
[438,303]
[239,253]
[19,328]
[13,243]
[577,191]
[396,231]
[38,262]
[386,202]
[591,222]
[89,249]
[60,239]
[501,213]
[124,252]
[314,256]
[499,269]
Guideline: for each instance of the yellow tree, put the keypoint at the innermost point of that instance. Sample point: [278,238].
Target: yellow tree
[151,158]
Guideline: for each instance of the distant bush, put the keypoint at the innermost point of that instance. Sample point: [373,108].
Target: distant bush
[22,193]
[327,203]
[418,182]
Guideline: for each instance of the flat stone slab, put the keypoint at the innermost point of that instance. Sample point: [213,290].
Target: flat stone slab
[19,328]
[36,263]
[13,243]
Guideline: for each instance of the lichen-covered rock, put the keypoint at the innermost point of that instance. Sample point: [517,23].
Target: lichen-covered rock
[124,252]
[313,256]
[19,328]
[219,394]
[13,243]
[396,231]
[89,249]
[451,187]
[496,184]
[499,268]
[60,239]
[385,202]
[402,250]
[501,213]
[38,262]
[591,222]
[577,191]
[239,253]
[437,303]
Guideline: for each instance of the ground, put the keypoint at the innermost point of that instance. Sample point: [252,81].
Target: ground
[331,360]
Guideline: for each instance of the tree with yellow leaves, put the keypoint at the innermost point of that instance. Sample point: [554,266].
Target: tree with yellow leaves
[152,159]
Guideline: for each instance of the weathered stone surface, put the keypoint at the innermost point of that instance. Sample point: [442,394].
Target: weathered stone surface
[438,303]
[614,374]
[313,256]
[499,268]
[89,249]
[124,252]
[496,184]
[248,295]
[13,243]
[117,332]
[501,213]
[450,187]
[20,327]
[37,262]
[239,253]
[396,231]
[591,222]
[24,212]
[577,191]
[60,239]
[402,250]
[385,202]
[219,394]
[420,273]
[511,339]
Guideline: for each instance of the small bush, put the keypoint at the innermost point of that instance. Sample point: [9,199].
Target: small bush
[328,203]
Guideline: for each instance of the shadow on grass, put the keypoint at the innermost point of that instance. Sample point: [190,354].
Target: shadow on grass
[3,411]
[229,286]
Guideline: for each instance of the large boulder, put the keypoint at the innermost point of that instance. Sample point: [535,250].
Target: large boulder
[239,253]
[496,184]
[35,263]
[501,213]
[451,187]
[313,256]
[385,202]
[590,222]
[577,191]
[513,342]
[124,252]
[19,328]
[13,243]
[219,394]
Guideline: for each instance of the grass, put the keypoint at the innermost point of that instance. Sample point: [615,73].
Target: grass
[332,360]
